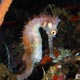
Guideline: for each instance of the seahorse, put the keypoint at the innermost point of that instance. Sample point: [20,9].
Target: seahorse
[32,40]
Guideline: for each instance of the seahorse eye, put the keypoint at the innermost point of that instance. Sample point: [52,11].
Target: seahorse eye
[53,32]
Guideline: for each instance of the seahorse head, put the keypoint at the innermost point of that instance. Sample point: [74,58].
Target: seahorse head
[50,26]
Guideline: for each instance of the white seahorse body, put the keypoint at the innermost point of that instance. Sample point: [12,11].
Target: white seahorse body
[35,38]
[32,40]
[37,43]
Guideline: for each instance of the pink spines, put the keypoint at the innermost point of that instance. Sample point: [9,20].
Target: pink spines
[55,20]
[39,20]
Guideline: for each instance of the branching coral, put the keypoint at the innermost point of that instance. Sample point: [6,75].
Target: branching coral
[4,6]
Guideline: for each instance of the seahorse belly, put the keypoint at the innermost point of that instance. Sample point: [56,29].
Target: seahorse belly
[37,45]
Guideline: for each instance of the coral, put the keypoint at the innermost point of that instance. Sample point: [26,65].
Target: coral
[6,74]
[4,6]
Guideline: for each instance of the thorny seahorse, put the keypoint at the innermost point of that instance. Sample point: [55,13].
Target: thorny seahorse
[33,42]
